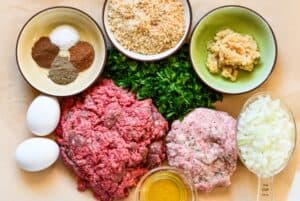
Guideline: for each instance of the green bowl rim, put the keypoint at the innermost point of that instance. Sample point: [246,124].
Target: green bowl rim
[53,8]
[263,19]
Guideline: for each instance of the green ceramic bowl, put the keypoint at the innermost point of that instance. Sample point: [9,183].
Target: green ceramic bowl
[242,20]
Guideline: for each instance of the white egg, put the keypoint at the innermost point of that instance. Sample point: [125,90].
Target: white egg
[43,115]
[36,154]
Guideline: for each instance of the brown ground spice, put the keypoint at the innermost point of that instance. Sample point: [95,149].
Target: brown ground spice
[62,72]
[82,55]
[44,52]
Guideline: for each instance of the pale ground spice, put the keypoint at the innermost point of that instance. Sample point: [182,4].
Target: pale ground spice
[62,72]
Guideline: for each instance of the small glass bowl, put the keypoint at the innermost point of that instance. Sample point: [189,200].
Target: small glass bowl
[185,178]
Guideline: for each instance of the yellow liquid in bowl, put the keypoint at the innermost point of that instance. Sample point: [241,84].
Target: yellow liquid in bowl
[165,186]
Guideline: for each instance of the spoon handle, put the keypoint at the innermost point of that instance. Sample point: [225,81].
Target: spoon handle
[265,189]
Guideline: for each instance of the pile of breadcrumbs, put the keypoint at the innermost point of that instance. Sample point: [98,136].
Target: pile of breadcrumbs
[147,26]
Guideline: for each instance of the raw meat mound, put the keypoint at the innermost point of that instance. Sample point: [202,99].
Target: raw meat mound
[203,144]
[110,139]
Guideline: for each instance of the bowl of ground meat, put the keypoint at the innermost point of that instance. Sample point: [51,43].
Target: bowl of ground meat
[147,30]
[203,145]
[110,139]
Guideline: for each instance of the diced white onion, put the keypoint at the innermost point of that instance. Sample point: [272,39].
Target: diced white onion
[265,136]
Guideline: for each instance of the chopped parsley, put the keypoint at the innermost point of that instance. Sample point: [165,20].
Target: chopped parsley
[171,83]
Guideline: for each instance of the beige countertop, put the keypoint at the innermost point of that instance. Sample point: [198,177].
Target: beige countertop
[58,183]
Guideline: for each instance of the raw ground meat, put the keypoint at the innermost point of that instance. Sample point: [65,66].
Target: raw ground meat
[110,139]
[203,144]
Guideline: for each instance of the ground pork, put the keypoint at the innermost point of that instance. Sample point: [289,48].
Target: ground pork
[110,139]
[203,144]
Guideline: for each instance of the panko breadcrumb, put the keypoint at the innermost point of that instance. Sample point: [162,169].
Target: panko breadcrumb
[147,26]
[231,51]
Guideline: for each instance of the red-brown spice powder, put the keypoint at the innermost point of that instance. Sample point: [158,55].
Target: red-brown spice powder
[44,52]
[82,55]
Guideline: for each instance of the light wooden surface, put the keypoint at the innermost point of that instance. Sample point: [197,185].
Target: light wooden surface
[58,183]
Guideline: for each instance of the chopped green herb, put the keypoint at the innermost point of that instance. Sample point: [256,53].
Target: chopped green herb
[171,83]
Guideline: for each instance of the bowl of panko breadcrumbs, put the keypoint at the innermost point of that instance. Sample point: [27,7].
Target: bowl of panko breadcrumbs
[233,49]
[147,30]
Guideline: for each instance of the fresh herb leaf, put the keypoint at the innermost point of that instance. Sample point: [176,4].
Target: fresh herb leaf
[171,83]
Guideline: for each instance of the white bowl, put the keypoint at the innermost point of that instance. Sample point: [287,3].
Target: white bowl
[143,57]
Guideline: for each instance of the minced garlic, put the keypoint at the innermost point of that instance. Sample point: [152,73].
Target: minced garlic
[231,51]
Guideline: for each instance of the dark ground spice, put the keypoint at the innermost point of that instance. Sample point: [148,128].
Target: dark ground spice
[82,55]
[44,52]
[62,72]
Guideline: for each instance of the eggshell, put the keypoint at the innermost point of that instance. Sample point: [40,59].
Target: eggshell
[43,115]
[36,154]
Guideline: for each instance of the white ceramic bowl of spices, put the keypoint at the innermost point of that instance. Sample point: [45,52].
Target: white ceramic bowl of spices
[61,51]
[147,30]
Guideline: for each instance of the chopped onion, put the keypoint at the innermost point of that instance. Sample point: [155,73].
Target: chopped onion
[266,136]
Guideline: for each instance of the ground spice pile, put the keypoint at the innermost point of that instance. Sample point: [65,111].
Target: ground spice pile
[44,52]
[82,55]
[64,54]
[62,71]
